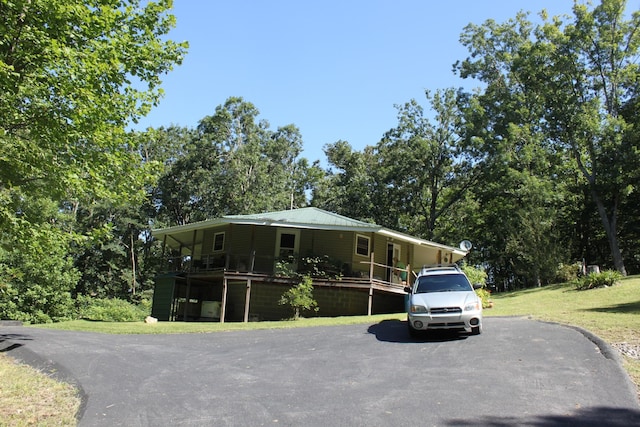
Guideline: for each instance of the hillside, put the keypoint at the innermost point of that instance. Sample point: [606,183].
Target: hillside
[611,313]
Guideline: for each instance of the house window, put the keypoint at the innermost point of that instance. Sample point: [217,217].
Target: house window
[287,244]
[218,242]
[362,245]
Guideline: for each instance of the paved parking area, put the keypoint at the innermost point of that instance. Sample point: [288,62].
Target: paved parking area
[518,372]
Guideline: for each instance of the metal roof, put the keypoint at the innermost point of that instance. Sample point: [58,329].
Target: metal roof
[307,218]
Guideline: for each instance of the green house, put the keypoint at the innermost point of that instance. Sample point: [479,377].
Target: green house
[236,267]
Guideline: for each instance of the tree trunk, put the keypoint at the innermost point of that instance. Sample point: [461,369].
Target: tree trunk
[609,224]
[133,266]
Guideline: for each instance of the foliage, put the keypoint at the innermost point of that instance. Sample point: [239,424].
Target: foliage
[351,186]
[233,163]
[320,266]
[36,272]
[562,85]
[284,267]
[121,261]
[300,297]
[422,167]
[73,75]
[602,279]
[485,296]
[478,276]
[568,272]
[109,310]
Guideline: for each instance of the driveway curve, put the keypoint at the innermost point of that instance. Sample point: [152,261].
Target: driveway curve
[518,372]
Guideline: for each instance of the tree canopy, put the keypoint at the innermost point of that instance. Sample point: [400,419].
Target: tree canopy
[565,83]
[73,75]
[538,167]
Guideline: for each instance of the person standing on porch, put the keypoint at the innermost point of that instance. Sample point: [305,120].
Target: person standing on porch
[400,270]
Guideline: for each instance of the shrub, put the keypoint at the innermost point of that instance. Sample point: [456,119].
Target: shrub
[485,296]
[568,272]
[475,275]
[598,280]
[300,297]
[109,310]
[478,276]
[320,266]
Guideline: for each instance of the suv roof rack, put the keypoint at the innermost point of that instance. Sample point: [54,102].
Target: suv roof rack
[440,267]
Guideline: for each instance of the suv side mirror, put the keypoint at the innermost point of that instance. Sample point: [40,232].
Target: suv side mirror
[477,286]
[407,289]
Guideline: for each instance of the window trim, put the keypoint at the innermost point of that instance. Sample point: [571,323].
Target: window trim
[357,246]
[224,238]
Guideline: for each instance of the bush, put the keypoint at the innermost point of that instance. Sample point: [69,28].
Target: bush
[598,280]
[485,296]
[478,276]
[475,275]
[37,275]
[109,310]
[300,297]
[568,272]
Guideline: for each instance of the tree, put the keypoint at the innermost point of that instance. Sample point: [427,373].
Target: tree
[425,171]
[73,75]
[349,185]
[233,163]
[300,297]
[575,77]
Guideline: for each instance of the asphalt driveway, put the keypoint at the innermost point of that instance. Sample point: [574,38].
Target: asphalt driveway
[518,372]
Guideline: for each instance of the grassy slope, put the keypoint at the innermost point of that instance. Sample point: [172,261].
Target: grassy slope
[31,398]
[611,313]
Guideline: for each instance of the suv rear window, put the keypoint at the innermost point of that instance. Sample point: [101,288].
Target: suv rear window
[443,283]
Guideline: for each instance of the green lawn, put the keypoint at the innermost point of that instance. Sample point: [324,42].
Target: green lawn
[611,313]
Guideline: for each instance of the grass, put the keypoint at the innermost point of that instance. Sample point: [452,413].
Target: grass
[611,313]
[205,327]
[31,398]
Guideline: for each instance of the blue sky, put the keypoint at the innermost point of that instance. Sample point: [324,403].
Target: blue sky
[335,69]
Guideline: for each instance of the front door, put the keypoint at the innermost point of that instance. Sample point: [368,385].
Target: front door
[393,258]
[287,246]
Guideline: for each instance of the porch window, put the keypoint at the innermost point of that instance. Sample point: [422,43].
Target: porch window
[218,242]
[363,243]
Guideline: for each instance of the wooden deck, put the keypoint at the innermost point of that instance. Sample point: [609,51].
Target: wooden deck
[228,274]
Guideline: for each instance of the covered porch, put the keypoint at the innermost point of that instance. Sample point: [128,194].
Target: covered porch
[229,293]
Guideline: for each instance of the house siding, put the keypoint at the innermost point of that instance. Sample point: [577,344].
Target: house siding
[264,305]
[163,297]
[207,241]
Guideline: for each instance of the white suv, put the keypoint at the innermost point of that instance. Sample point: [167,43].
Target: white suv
[443,298]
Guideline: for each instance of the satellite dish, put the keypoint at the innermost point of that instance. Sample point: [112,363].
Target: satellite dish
[466,245]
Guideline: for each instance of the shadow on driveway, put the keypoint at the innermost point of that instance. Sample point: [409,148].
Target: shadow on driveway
[8,342]
[588,417]
[397,331]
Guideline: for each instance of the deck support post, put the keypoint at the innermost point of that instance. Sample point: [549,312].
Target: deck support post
[370,306]
[223,307]
[246,301]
